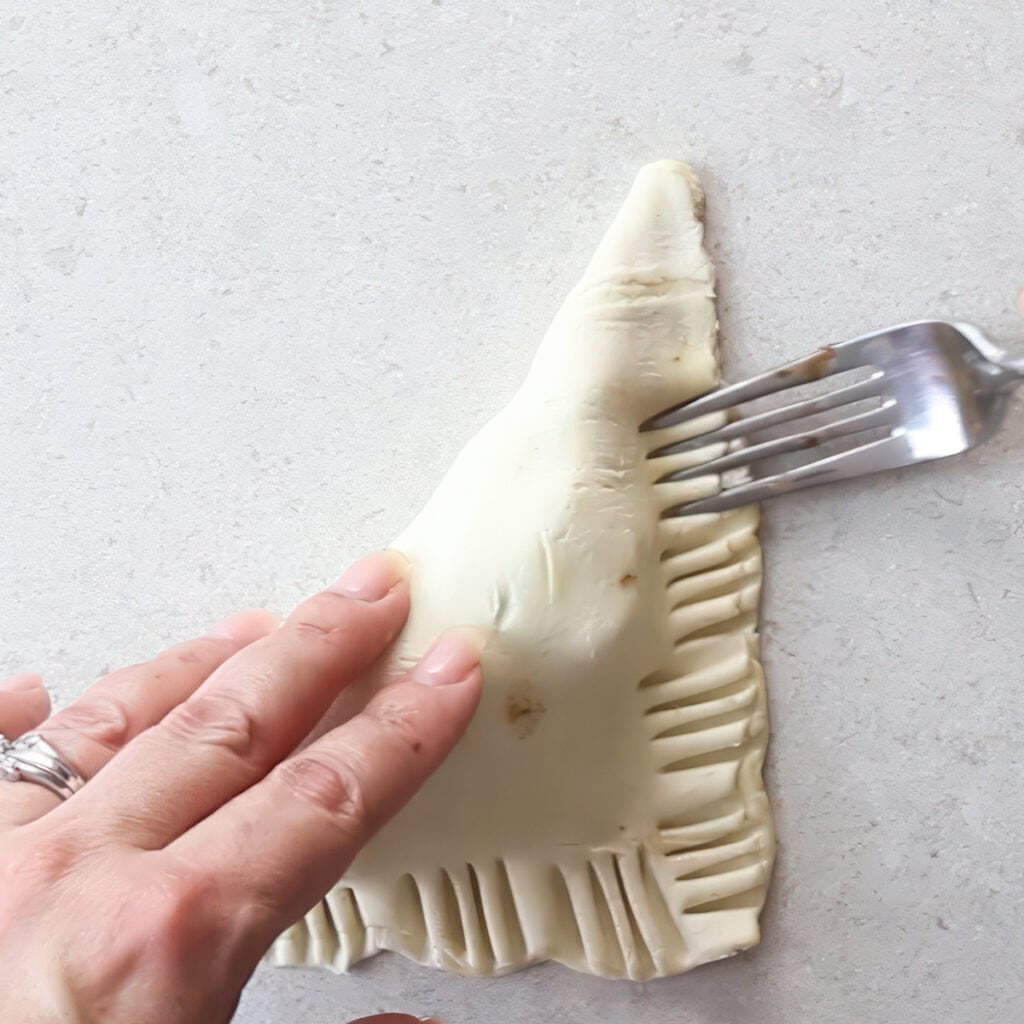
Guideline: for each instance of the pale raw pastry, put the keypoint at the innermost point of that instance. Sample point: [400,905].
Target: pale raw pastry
[606,808]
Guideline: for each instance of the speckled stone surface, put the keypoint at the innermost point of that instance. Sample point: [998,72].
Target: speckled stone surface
[267,265]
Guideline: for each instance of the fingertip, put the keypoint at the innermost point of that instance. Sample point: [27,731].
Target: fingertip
[40,703]
[245,627]
[373,577]
[22,709]
[21,682]
[453,658]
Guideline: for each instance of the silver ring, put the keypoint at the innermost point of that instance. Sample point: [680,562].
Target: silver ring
[31,759]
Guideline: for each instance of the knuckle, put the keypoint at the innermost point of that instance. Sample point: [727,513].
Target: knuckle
[329,784]
[399,720]
[340,634]
[21,879]
[37,861]
[216,721]
[177,910]
[329,616]
[98,716]
[180,898]
[327,608]
[188,656]
[345,623]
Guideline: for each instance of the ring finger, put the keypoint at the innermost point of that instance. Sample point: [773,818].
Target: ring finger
[90,731]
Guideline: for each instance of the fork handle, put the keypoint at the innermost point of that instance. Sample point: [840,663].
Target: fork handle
[1017,366]
[1003,369]
[1012,367]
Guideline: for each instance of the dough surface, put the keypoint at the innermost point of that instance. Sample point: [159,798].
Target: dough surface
[606,807]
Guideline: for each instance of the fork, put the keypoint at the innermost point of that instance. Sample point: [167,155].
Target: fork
[942,388]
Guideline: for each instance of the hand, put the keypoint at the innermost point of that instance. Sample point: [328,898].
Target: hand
[396,1018]
[149,896]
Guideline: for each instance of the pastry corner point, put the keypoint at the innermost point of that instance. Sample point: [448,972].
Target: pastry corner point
[668,167]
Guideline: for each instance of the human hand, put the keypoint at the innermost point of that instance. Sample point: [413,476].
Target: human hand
[151,894]
[396,1018]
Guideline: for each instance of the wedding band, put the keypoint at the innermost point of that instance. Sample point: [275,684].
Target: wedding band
[31,759]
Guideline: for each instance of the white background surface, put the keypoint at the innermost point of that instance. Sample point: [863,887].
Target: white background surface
[266,265]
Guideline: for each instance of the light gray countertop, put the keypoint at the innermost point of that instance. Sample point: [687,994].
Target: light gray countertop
[267,265]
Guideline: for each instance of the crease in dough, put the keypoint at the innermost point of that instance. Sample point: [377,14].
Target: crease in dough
[606,807]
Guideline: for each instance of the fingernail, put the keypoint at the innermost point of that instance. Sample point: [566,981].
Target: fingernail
[22,682]
[452,658]
[372,577]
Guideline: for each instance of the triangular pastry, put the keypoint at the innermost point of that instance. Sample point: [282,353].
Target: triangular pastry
[606,807]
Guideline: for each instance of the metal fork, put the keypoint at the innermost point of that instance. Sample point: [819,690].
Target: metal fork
[942,389]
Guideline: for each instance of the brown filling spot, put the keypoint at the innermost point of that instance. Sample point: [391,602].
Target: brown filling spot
[524,709]
[628,580]
[813,367]
[820,362]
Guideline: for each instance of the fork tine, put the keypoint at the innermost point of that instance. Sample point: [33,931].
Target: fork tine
[822,363]
[773,417]
[880,417]
[886,453]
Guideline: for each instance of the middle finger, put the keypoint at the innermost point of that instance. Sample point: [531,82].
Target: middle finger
[251,712]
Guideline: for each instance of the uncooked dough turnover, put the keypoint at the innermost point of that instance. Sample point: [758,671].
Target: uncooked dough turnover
[606,807]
